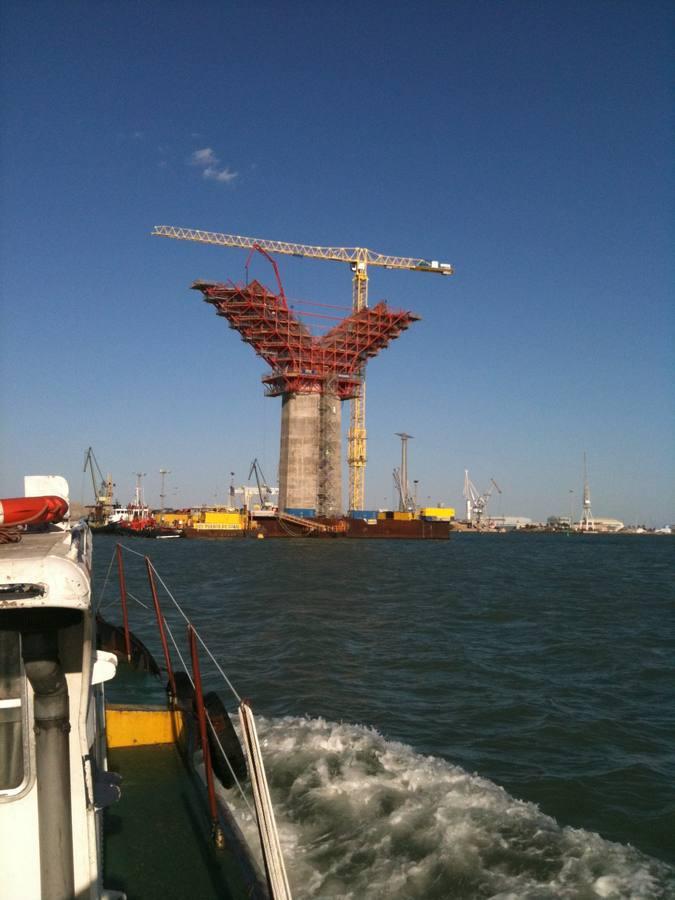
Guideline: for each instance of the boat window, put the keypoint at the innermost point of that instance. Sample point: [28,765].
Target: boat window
[21,591]
[13,730]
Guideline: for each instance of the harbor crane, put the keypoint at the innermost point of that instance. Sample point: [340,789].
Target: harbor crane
[103,491]
[264,490]
[358,259]
[476,503]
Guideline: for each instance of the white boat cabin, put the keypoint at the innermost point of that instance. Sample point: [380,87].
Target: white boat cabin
[53,779]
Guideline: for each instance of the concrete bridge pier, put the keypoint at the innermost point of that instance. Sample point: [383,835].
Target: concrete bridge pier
[310,469]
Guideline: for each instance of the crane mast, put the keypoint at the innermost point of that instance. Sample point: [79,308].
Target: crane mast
[359,258]
[356,436]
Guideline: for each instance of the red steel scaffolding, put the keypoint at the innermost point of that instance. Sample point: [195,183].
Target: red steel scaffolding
[301,362]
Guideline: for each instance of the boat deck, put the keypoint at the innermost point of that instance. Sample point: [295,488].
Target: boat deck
[157,840]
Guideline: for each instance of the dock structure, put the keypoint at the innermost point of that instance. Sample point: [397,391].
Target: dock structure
[313,375]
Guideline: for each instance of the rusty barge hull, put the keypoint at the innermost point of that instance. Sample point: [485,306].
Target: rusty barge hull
[215,534]
[416,530]
[359,529]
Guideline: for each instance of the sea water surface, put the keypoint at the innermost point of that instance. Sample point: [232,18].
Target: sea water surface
[487,717]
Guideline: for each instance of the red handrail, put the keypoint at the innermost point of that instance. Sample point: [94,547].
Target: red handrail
[201,717]
[199,707]
[123,599]
[160,625]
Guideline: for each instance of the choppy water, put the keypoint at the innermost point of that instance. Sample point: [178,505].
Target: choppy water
[487,717]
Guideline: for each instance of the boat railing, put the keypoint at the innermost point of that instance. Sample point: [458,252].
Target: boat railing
[262,812]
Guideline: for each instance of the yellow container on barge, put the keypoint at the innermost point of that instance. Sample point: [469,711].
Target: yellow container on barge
[437,513]
[214,520]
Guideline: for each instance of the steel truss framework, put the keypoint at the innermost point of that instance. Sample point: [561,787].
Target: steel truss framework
[301,362]
[354,255]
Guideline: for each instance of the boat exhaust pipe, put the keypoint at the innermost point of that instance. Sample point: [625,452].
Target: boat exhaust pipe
[52,752]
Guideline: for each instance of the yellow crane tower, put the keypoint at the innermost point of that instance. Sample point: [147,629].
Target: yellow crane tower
[359,258]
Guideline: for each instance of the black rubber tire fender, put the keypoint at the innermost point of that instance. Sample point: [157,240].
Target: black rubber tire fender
[185,693]
[229,741]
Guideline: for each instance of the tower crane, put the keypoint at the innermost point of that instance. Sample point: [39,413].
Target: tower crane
[358,258]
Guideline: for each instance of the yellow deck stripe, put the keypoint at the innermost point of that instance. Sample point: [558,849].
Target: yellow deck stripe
[137,726]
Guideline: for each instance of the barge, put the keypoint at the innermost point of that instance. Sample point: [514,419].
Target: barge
[275,524]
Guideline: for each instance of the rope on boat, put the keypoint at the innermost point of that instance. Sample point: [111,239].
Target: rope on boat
[129,550]
[139,601]
[269,836]
[183,614]
[197,634]
[10,535]
[105,582]
[100,605]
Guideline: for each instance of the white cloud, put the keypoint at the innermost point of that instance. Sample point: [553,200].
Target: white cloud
[224,175]
[207,160]
[204,157]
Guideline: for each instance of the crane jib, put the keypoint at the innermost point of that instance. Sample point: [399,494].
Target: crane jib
[337,254]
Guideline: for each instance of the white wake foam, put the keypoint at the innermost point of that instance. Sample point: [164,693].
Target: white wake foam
[362,817]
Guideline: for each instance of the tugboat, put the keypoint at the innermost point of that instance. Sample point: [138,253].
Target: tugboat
[136,519]
[61,804]
[132,521]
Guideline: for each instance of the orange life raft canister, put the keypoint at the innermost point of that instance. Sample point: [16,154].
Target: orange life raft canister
[32,510]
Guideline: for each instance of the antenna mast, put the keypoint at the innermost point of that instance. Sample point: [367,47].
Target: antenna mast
[163,473]
[404,501]
[587,523]
[139,489]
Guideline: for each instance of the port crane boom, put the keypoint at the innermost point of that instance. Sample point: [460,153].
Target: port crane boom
[476,503]
[264,491]
[103,492]
[358,258]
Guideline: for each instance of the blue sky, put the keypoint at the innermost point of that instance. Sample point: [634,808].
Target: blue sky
[530,144]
